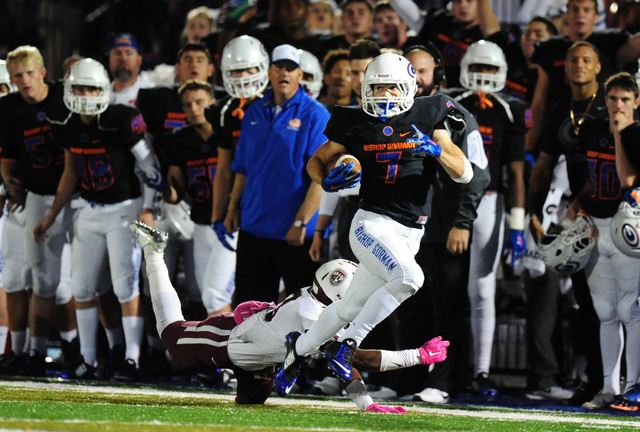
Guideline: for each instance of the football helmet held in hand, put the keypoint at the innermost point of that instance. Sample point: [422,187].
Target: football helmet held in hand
[625,229]
[566,247]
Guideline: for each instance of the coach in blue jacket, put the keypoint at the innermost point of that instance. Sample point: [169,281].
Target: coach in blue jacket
[274,203]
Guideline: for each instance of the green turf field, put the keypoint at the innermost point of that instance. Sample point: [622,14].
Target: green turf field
[50,406]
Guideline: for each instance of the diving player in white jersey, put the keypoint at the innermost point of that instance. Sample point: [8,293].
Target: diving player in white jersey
[249,341]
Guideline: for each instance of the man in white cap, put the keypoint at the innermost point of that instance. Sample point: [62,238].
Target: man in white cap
[274,203]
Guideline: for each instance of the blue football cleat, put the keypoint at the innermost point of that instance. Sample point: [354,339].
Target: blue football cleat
[340,357]
[288,373]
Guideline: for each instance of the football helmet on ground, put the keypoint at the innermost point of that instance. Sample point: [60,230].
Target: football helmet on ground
[333,279]
[625,230]
[311,66]
[90,73]
[483,53]
[388,68]
[245,52]
[566,247]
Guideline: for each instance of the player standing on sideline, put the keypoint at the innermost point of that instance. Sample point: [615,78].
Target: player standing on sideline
[613,277]
[32,164]
[244,68]
[501,120]
[249,341]
[193,160]
[102,144]
[390,136]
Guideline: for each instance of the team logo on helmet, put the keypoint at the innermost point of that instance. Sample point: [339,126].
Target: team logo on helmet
[568,268]
[411,70]
[337,277]
[630,235]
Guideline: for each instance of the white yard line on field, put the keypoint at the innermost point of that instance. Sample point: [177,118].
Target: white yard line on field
[511,415]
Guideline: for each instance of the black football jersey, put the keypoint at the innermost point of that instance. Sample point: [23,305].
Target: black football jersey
[102,151]
[559,134]
[521,80]
[606,191]
[551,55]
[26,135]
[198,160]
[226,117]
[631,143]
[503,127]
[395,181]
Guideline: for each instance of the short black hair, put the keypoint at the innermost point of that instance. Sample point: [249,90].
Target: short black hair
[194,46]
[196,84]
[623,80]
[363,49]
[551,28]
[333,57]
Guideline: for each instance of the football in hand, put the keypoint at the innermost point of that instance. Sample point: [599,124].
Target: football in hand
[345,158]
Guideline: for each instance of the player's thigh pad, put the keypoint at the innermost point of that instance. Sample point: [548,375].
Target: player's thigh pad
[43,257]
[13,237]
[387,248]
[218,278]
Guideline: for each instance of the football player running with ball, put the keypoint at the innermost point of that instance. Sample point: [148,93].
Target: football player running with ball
[399,141]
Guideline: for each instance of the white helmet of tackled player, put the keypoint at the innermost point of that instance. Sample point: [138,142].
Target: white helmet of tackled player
[245,52]
[388,68]
[625,230]
[566,248]
[5,78]
[332,280]
[483,53]
[90,73]
[311,67]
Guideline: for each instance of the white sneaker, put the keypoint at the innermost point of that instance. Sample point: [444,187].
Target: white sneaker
[329,385]
[600,401]
[551,393]
[147,236]
[432,395]
[383,393]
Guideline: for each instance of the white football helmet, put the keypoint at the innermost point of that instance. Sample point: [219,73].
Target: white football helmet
[333,279]
[388,68]
[176,220]
[310,65]
[241,53]
[625,230]
[566,248]
[486,53]
[87,72]
[5,78]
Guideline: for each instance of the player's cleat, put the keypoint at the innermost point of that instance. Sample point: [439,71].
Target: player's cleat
[12,364]
[147,236]
[288,373]
[622,403]
[340,358]
[432,395]
[84,371]
[128,372]
[551,393]
[483,386]
[35,366]
[633,394]
[600,401]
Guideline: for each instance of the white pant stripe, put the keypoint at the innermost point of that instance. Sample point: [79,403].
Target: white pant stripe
[200,341]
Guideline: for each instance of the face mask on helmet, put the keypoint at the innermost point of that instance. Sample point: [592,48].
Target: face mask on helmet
[311,66]
[566,248]
[388,69]
[5,79]
[625,230]
[333,279]
[483,53]
[244,52]
[87,73]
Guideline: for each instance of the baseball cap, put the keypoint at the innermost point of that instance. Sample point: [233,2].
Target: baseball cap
[123,40]
[285,52]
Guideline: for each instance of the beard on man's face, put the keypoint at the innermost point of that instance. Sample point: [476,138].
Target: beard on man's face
[123,74]
[425,90]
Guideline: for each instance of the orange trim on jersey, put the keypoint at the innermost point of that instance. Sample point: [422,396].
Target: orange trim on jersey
[605,156]
[447,39]
[208,161]
[558,63]
[78,150]
[516,86]
[173,115]
[37,130]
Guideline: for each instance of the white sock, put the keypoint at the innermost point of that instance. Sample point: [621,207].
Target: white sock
[115,336]
[375,310]
[88,333]
[165,300]
[69,335]
[39,344]
[18,341]
[133,330]
[391,360]
[4,335]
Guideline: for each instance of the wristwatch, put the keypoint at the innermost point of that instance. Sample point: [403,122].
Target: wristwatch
[299,224]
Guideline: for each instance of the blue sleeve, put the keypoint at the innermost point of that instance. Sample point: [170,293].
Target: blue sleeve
[239,163]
